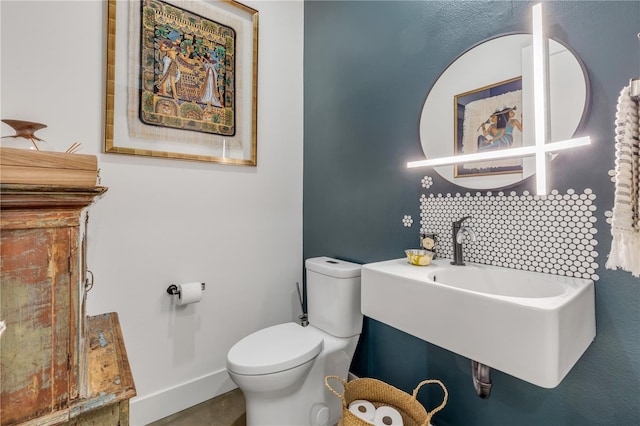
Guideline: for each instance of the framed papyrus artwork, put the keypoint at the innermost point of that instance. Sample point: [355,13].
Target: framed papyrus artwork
[182,80]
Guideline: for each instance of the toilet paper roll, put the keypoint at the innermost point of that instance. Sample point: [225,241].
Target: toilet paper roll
[387,416]
[189,293]
[363,409]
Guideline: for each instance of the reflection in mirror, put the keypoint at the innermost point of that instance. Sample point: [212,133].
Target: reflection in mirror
[491,89]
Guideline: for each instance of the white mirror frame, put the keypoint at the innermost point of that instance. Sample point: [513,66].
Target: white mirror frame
[568,100]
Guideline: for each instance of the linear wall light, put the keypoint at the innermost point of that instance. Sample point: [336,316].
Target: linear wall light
[540,99]
[525,151]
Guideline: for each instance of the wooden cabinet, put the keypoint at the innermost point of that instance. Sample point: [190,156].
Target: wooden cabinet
[109,383]
[45,351]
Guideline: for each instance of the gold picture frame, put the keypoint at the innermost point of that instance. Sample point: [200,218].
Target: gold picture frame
[486,119]
[182,80]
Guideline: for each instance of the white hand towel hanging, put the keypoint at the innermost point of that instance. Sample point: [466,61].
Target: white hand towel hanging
[625,220]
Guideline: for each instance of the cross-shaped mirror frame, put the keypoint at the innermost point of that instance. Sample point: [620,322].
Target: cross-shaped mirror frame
[542,147]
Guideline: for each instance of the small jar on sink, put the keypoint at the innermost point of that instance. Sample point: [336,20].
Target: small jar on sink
[428,241]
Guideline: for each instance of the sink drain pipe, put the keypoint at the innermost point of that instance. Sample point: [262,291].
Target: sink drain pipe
[481,379]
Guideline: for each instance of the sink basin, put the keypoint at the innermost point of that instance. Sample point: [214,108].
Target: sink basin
[530,325]
[498,281]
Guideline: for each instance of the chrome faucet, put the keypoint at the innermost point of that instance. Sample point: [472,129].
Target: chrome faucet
[459,232]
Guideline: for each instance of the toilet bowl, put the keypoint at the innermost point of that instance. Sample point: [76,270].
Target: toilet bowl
[285,352]
[281,369]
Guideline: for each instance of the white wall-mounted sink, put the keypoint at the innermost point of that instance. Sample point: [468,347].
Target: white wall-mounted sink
[531,325]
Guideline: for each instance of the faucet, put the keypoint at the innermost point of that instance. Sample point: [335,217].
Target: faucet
[459,232]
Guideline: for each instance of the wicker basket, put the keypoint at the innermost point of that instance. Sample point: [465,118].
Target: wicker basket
[380,393]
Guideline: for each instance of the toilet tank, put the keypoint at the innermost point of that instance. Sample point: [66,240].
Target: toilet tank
[333,296]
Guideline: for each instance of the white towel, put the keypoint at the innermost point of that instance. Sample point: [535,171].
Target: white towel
[625,220]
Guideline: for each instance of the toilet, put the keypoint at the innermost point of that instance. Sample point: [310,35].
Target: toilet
[281,369]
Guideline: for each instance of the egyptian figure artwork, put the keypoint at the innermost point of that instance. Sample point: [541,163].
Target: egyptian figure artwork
[488,119]
[187,65]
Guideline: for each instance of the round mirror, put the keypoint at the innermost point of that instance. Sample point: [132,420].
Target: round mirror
[483,101]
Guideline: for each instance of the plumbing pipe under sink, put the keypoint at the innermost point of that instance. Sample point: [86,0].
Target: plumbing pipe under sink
[481,375]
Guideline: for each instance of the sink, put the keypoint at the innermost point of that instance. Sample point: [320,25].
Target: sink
[531,325]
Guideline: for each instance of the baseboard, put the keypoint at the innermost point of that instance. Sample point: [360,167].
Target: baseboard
[149,408]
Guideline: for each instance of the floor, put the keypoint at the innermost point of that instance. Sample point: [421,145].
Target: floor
[224,410]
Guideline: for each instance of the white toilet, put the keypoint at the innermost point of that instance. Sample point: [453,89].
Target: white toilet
[281,369]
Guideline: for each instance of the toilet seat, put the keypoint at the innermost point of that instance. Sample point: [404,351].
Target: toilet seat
[274,349]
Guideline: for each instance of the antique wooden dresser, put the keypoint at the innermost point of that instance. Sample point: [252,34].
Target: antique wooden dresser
[57,366]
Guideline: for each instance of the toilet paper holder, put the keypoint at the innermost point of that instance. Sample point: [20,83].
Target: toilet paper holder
[173,289]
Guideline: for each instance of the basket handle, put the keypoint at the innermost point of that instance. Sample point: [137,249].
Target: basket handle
[439,407]
[342,381]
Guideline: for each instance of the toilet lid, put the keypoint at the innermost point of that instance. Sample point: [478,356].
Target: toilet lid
[274,349]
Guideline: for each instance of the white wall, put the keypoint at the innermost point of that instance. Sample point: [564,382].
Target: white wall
[239,229]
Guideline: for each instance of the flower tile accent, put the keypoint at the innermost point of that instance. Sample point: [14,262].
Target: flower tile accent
[427,181]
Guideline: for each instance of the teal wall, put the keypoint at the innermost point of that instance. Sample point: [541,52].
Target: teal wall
[368,68]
